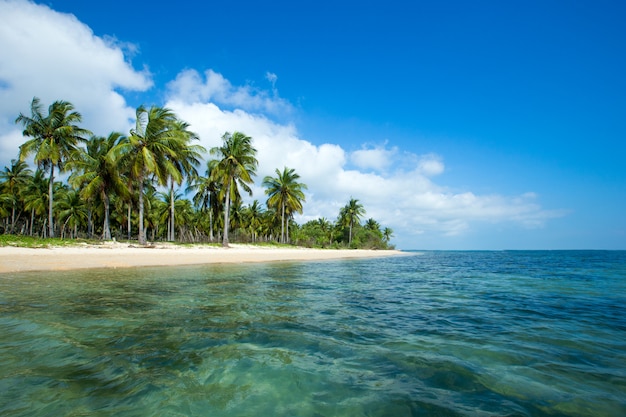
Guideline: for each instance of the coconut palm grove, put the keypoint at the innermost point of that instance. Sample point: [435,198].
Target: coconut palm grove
[156,184]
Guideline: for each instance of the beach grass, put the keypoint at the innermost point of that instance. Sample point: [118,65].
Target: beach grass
[21,241]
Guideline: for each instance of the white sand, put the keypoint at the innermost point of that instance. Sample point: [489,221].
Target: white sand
[119,255]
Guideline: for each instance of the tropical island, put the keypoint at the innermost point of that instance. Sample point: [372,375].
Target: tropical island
[146,187]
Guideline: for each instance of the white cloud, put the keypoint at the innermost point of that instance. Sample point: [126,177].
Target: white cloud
[378,158]
[54,56]
[272,78]
[431,165]
[191,87]
[277,145]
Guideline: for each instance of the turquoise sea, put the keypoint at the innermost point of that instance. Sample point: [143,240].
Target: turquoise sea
[509,333]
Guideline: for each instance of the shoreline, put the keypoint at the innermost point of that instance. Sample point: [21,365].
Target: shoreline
[119,255]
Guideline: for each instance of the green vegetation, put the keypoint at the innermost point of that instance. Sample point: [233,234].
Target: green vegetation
[21,241]
[285,196]
[130,187]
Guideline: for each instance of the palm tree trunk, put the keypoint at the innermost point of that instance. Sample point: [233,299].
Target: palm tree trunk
[32,221]
[171,237]
[50,202]
[142,232]
[63,228]
[282,224]
[211,237]
[106,228]
[226,216]
[89,222]
[350,235]
[13,216]
[128,224]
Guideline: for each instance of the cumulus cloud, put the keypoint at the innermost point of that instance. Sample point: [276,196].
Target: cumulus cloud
[377,158]
[431,165]
[192,87]
[54,56]
[278,145]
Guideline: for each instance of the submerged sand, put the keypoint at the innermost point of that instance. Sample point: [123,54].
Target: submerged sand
[119,255]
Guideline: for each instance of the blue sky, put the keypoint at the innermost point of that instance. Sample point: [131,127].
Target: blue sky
[461,125]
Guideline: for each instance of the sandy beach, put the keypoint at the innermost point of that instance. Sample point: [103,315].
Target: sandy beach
[120,255]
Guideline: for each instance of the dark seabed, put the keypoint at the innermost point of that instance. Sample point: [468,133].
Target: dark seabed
[435,334]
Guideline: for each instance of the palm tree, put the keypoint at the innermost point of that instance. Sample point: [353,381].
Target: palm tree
[14,179]
[327,229]
[185,219]
[373,225]
[55,138]
[97,174]
[120,215]
[129,200]
[236,166]
[72,211]
[182,164]
[5,200]
[237,217]
[206,191]
[161,209]
[387,234]
[153,206]
[269,227]
[350,214]
[36,197]
[183,211]
[149,150]
[285,194]
[254,219]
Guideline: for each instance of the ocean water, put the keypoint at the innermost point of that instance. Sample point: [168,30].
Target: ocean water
[431,334]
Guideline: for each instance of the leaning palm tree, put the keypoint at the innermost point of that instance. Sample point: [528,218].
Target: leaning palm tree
[285,195]
[149,150]
[97,174]
[350,214]
[236,166]
[14,179]
[387,235]
[55,138]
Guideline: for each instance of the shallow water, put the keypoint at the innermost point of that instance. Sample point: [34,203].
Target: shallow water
[435,334]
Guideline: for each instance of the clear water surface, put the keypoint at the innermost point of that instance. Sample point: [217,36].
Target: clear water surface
[432,334]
